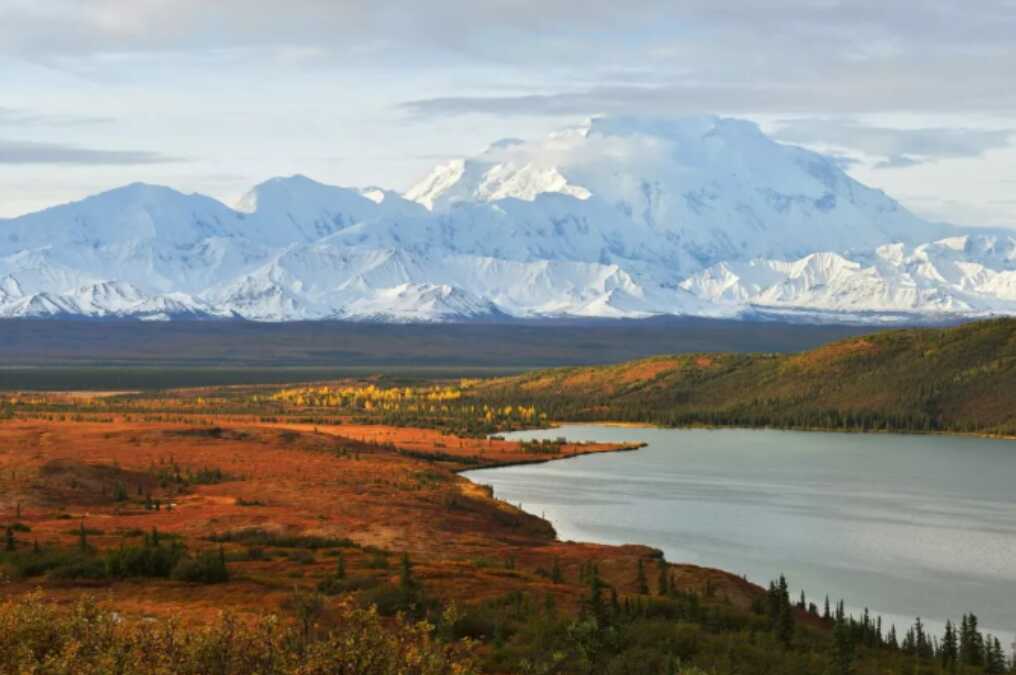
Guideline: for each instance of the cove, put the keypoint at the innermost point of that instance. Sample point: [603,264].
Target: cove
[907,526]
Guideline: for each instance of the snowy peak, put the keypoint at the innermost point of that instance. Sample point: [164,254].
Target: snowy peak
[621,216]
[719,187]
[972,275]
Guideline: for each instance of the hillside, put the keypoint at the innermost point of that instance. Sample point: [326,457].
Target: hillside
[953,379]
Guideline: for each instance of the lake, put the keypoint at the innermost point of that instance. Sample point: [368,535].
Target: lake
[904,525]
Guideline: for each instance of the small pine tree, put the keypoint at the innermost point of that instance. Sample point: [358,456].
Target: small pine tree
[406,581]
[785,624]
[82,537]
[843,654]
[340,566]
[643,584]
[664,581]
[10,544]
[949,651]
[555,572]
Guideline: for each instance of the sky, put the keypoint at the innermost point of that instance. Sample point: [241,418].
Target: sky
[914,97]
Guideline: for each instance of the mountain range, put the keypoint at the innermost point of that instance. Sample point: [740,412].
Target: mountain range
[620,217]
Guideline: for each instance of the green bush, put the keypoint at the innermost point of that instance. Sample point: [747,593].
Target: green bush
[143,561]
[208,567]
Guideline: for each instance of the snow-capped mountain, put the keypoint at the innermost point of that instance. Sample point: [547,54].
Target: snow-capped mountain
[963,275]
[619,217]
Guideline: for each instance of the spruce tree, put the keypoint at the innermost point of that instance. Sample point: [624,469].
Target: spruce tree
[643,584]
[890,639]
[82,537]
[949,652]
[9,542]
[406,581]
[843,644]
[785,624]
[555,572]
[664,580]
[340,566]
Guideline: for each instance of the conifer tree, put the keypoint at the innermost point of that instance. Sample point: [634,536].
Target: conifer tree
[555,572]
[82,537]
[406,581]
[340,566]
[891,640]
[843,654]
[643,584]
[664,580]
[9,542]
[949,652]
[785,624]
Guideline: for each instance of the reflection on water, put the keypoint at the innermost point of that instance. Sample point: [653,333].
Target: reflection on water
[905,525]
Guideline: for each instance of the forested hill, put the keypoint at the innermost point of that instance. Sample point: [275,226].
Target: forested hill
[952,379]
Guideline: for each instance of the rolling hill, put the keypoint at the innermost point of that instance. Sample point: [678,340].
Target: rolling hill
[960,379]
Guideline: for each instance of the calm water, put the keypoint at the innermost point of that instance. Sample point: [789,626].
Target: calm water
[905,525]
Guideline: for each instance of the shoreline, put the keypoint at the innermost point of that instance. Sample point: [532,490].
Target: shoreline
[557,424]
[897,619]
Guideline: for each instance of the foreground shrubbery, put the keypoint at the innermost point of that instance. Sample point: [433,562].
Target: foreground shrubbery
[38,637]
[151,560]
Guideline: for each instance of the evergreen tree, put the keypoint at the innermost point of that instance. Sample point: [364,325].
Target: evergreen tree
[82,537]
[406,581]
[643,584]
[971,642]
[664,581]
[994,657]
[594,603]
[785,624]
[555,572]
[340,566]
[826,614]
[9,542]
[843,646]
[950,651]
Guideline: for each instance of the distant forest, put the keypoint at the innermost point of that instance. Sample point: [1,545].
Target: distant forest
[960,379]
[70,354]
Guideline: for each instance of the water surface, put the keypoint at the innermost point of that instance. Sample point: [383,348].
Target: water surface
[905,525]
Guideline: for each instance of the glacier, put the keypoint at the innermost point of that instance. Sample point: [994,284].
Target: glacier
[619,217]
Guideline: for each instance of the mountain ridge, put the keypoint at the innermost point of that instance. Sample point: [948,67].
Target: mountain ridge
[620,217]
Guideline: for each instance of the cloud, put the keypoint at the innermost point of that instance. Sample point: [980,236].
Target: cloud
[899,148]
[809,56]
[13,117]
[28,152]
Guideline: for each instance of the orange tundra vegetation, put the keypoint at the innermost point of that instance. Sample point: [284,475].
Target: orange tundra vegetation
[281,502]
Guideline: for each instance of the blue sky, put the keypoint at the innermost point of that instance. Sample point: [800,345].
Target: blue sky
[917,97]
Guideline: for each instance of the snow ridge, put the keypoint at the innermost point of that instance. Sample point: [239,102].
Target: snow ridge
[620,217]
